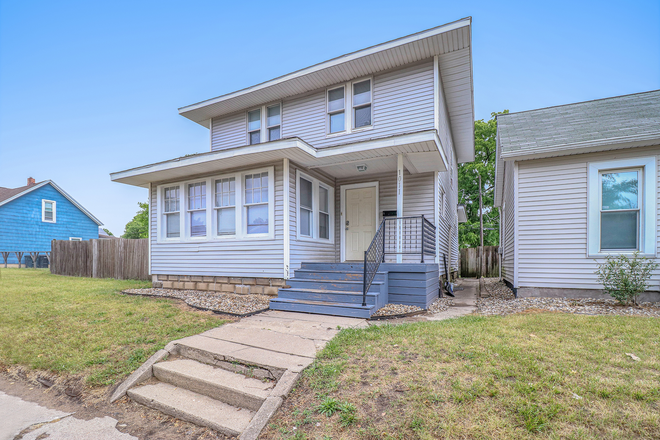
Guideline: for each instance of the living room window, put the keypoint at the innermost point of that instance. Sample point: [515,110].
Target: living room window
[225,206]
[171,210]
[256,203]
[197,209]
[621,201]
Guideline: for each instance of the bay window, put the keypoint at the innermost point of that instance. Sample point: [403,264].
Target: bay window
[197,209]
[171,208]
[314,200]
[621,201]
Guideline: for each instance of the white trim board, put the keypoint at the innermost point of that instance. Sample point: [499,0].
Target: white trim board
[342,208]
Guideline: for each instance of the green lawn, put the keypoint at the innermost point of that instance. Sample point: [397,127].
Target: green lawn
[84,326]
[523,376]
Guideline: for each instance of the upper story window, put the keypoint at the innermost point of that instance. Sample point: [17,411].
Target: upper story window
[336,113]
[48,211]
[225,206]
[314,199]
[254,126]
[197,209]
[362,104]
[621,206]
[171,210]
[273,122]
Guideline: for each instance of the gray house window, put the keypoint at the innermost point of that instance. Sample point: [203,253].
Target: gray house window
[171,208]
[273,122]
[306,208]
[225,205]
[336,113]
[256,203]
[324,213]
[620,210]
[254,126]
[362,104]
[197,209]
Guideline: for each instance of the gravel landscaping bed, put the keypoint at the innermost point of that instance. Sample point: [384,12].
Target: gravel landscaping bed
[440,305]
[230,303]
[396,310]
[498,299]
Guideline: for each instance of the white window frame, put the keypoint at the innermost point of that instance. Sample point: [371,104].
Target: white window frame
[263,127]
[75,239]
[646,199]
[188,212]
[43,211]
[349,109]
[370,104]
[211,218]
[237,208]
[316,184]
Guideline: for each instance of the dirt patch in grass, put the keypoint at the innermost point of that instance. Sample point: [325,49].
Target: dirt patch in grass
[536,375]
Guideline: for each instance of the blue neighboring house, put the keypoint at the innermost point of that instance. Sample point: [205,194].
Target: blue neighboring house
[33,215]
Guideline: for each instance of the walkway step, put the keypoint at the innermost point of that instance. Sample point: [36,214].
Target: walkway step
[217,383]
[193,407]
[334,296]
[323,307]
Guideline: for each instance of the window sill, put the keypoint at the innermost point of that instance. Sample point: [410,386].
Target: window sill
[216,239]
[347,132]
[603,255]
[48,221]
[315,240]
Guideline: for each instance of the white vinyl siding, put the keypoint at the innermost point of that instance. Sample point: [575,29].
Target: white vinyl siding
[507,241]
[228,131]
[552,220]
[222,257]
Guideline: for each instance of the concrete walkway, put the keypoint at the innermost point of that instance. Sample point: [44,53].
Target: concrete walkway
[17,415]
[465,301]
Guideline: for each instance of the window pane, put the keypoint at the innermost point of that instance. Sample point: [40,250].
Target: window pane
[323,199]
[618,230]
[324,226]
[305,193]
[336,99]
[255,137]
[254,120]
[362,92]
[273,134]
[227,221]
[264,194]
[197,195]
[173,225]
[620,190]
[363,116]
[273,115]
[337,122]
[256,196]
[305,222]
[248,196]
[248,181]
[264,180]
[198,224]
[257,219]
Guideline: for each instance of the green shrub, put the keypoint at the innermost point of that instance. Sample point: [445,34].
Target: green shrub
[624,278]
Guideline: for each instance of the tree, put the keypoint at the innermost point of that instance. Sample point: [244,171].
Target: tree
[139,226]
[108,232]
[468,187]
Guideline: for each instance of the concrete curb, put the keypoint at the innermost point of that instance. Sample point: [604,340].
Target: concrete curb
[143,373]
[261,418]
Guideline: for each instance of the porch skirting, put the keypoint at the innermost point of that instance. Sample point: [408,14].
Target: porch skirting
[240,285]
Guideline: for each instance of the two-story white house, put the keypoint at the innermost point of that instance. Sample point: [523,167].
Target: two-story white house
[316,172]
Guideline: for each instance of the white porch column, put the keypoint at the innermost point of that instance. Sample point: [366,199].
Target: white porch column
[287,228]
[399,207]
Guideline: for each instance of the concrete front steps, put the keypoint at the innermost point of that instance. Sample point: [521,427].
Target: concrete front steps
[332,289]
[233,378]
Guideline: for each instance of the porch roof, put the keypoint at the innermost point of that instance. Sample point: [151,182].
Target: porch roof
[422,153]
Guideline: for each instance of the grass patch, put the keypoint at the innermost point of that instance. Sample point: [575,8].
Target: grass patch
[545,375]
[83,326]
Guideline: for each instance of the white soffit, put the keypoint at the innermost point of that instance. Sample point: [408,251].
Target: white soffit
[423,45]
[341,158]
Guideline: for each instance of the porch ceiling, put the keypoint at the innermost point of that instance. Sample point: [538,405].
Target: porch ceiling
[422,150]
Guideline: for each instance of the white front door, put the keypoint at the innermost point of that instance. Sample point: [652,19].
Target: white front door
[360,221]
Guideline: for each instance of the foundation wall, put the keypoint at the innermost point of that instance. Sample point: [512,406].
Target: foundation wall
[240,285]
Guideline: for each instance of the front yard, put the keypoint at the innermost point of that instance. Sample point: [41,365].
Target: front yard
[533,375]
[84,327]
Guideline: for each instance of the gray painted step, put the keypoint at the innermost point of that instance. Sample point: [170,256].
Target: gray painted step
[193,407]
[323,307]
[217,383]
[327,295]
[353,267]
[336,285]
[335,275]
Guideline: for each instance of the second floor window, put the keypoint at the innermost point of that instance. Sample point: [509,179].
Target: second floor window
[254,126]
[273,122]
[197,209]
[336,112]
[362,104]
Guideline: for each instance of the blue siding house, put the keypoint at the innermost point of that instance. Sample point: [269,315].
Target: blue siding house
[33,215]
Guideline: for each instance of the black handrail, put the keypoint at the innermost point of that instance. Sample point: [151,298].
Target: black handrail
[417,236]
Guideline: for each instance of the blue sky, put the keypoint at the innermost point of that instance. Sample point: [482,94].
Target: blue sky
[89,88]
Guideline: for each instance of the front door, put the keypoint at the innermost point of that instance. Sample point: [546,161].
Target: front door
[360,221]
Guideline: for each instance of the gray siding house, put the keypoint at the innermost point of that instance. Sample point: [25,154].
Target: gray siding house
[308,171]
[576,183]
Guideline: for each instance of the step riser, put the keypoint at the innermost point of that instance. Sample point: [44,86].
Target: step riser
[305,274]
[329,285]
[332,297]
[352,267]
[215,391]
[322,310]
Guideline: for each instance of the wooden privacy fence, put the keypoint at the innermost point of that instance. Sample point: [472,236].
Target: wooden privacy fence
[123,259]
[470,260]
